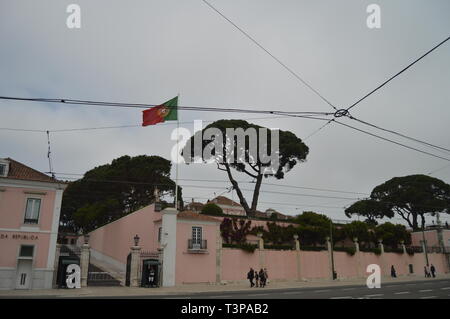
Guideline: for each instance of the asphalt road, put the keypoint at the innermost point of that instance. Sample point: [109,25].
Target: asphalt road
[433,289]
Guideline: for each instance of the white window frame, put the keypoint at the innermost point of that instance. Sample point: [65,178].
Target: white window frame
[28,198]
[197,235]
[6,170]
[27,257]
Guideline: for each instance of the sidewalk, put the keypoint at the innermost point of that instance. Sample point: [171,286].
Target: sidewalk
[196,288]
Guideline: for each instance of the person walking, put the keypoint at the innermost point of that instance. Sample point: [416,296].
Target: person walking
[393,272]
[266,277]
[257,282]
[250,276]
[427,272]
[262,278]
[433,271]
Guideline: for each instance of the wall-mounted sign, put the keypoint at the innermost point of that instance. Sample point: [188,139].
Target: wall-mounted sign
[19,236]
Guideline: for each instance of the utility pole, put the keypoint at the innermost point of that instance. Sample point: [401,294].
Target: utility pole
[424,243]
[332,250]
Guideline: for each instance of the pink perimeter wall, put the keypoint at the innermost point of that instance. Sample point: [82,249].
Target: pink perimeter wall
[115,239]
[282,264]
[346,266]
[314,264]
[236,263]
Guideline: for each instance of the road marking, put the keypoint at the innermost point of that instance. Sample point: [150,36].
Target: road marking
[428,297]
[402,293]
[324,290]
[255,295]
[292,293]
[346,289]
[426,290]
[375,295]
[445,288]
[390,286]
[345,297]
[410,284]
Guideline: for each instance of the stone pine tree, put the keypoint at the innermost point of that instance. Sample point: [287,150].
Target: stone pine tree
[224,149]
[410,197]
[114,190]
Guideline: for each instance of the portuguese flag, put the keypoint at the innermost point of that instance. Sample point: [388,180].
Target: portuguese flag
[161,113]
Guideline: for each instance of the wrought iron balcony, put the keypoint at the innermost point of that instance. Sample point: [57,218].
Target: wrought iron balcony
[197,245]
[30,221]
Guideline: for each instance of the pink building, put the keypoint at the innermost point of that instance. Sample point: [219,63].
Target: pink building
[187,248]
[431,237]
[229,207]
[194,237]
[30,204]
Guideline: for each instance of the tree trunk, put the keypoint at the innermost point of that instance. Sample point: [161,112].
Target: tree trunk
[256,191]
[237,189]
[415,224]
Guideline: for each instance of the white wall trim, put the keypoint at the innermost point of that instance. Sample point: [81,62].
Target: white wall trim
[25,230]
[9,182]
[199,222]
[54,230]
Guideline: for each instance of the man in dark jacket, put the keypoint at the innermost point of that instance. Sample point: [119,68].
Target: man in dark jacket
[433,271]
[250,276]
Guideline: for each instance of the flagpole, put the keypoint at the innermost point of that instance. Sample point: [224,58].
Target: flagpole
[178,151]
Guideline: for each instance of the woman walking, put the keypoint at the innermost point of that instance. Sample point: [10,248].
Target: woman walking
[257,283]
[262,278]
[393,272]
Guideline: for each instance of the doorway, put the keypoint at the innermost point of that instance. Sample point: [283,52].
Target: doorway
[23,279]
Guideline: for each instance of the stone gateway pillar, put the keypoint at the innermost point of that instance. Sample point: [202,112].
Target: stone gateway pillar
[330,258]
[169,245]
[84,264]
[297,257]
[134,265]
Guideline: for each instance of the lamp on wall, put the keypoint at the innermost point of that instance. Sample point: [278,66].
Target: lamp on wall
[136,240]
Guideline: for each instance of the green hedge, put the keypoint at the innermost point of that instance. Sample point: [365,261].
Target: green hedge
[393,250]
[376,251]
[349,250]
[279,247]
[312,248]
[250,248]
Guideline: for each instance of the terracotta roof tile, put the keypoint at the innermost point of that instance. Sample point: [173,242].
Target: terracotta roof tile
[20,171]
[222,200]
[187,214]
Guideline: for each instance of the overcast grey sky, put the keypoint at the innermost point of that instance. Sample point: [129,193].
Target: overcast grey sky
[149,51]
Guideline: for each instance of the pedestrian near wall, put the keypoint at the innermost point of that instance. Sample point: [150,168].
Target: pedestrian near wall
[250,276]
[427,272]
[257,283]
[266,276]
[393,272]
[262,278]
[433,271]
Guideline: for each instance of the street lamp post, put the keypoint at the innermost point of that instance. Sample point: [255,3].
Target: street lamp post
[136,240]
